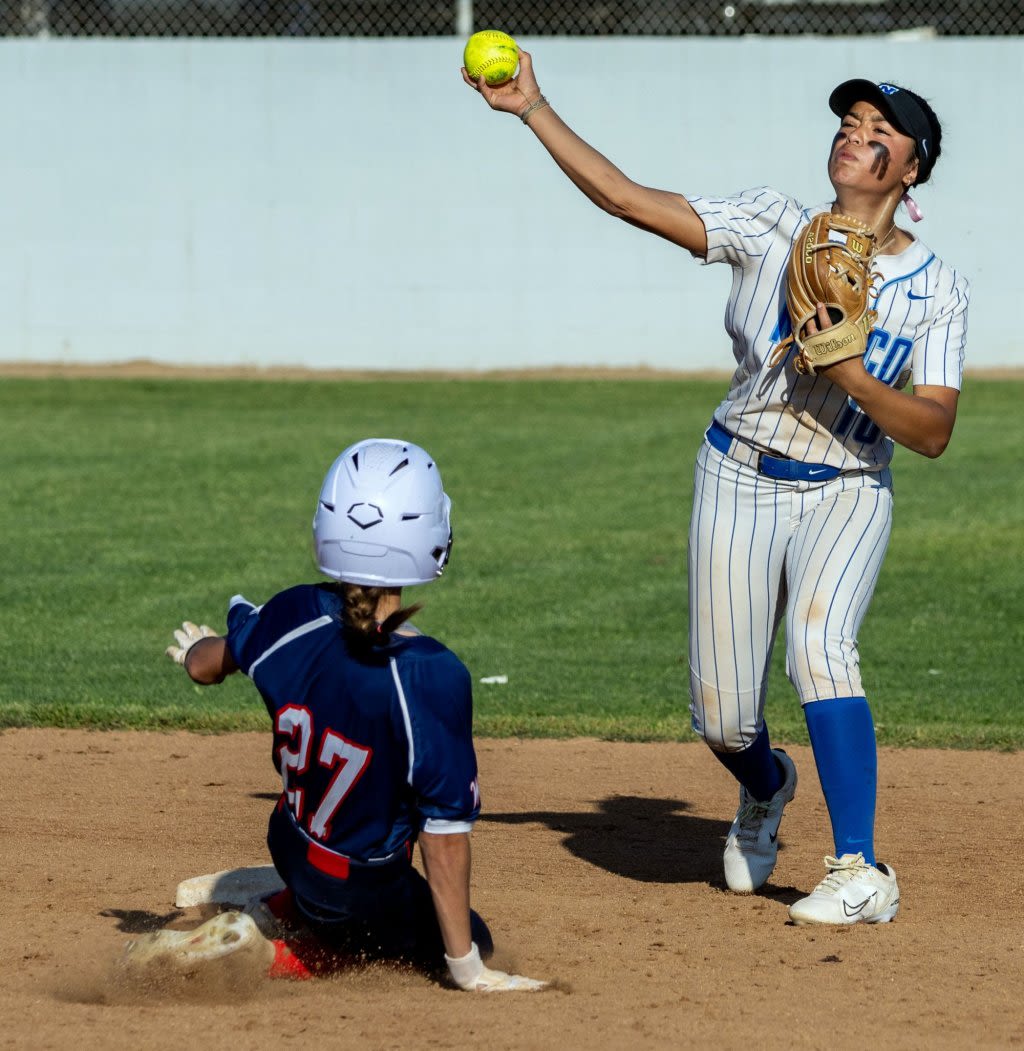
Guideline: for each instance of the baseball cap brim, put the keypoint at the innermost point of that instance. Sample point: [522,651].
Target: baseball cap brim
[901,107]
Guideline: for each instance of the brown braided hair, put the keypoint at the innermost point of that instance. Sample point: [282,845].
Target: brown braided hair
[361,603]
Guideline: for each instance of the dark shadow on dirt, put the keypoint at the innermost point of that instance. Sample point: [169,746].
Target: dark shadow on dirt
[139,921]
[648,840]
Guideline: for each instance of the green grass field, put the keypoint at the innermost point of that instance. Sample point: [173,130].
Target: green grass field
[133,504]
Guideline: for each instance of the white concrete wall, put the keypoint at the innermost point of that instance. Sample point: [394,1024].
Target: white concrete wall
[351,204]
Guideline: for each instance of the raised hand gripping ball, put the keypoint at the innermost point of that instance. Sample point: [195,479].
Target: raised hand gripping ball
[493,54]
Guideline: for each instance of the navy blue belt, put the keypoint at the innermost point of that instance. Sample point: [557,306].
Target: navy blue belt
[779,467]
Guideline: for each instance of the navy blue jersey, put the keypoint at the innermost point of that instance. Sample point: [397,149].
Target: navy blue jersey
[372,747]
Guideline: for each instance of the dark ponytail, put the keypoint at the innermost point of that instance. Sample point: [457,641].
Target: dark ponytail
[361,602]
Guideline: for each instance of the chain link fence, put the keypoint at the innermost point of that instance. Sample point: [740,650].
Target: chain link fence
[525,18]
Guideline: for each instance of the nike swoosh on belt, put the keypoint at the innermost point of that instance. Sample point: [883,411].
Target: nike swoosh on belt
[910,295]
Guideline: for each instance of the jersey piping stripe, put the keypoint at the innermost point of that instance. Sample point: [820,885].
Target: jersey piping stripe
[732,605]
[925,358]
[750,581]
[958,308]
[702,479]
[297,633]
[781,375]
[874,566]
[405,715]
[845,570]
[771,627]
[963,340]
[870,569]
[711,593]
[805,560]
[906,277]
[855,614]
[712,212]
[780,283]
[760,273]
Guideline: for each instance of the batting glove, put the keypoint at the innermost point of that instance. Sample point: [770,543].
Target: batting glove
[187,635]
[469,973]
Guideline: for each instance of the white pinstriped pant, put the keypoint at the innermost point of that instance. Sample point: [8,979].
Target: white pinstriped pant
[761,548]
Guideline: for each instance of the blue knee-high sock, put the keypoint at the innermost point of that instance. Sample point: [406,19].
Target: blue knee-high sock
[843,739]
[755,767]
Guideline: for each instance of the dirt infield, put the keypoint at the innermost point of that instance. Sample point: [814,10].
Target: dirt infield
[595,863]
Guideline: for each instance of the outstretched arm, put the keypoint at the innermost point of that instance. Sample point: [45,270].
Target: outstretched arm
[446,861]
[202,653]
[660,212]
[210,661]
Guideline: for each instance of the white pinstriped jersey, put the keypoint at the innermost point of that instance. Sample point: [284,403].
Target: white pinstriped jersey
[921,334]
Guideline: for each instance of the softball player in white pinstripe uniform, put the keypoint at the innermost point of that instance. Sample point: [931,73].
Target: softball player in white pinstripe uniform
[793,493]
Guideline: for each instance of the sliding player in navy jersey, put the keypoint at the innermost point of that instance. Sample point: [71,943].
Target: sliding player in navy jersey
[372,732]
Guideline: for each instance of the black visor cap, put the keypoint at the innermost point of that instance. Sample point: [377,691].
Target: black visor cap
[903,108]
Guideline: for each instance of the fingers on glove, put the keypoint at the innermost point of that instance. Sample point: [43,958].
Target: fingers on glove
[499,982]
[176,654]
[187,636]
[192,633]
[823,319]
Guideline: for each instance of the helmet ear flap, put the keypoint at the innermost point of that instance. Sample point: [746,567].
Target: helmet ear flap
[441,554]
[382,519]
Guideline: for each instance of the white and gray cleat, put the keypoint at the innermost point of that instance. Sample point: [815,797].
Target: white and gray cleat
[226,934]
[852,892]
[752,848]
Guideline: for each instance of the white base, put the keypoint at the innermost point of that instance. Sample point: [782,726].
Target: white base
[229,887]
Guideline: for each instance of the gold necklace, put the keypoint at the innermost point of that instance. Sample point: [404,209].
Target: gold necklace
[888,236]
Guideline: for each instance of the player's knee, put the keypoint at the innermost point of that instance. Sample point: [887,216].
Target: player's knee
[824,667]
[736,741]
[723,734]
[728,720]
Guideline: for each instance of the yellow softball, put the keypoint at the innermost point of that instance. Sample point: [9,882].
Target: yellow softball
[493,54]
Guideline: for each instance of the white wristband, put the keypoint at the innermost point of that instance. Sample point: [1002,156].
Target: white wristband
[465,970]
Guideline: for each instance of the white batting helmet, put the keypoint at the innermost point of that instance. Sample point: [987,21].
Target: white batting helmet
[383,518]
